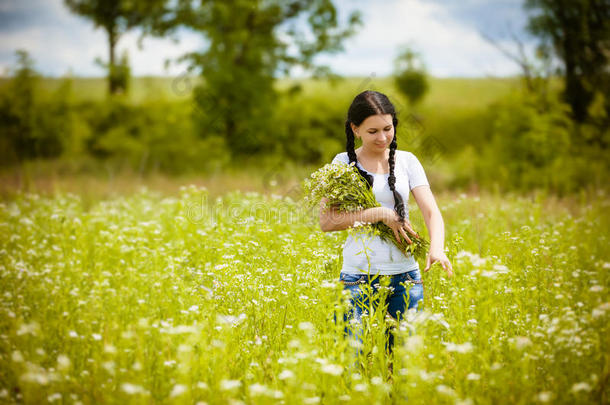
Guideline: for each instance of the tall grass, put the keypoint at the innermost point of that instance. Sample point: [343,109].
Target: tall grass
[146,298]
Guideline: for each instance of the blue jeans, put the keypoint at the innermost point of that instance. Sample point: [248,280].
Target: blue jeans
[406,292]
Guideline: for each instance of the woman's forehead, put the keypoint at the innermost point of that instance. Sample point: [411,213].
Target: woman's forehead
[377,121]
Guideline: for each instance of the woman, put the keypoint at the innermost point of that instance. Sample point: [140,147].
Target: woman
[391,173]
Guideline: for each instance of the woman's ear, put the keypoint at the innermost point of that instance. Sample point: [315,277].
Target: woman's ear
[354,129]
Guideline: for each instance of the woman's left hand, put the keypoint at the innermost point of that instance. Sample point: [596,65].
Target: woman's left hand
[437,255]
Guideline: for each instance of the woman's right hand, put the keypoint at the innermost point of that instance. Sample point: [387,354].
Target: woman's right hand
[390,217]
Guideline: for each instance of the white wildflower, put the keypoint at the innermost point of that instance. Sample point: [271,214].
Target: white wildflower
[230,319]
[361,387]
[521,342]
[63,362]
[500,268]
[228,385]
[257,389]
[17,357]
[332,369]
[110,349]
[601,310]
[132,389]
[285,375]
[307,326]
[445,390]
[459,348]
[581,386]
[31,328]
[544,396]
[178,390]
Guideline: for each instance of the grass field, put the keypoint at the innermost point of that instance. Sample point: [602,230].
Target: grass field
[455,92]
[189,298]
[123,286]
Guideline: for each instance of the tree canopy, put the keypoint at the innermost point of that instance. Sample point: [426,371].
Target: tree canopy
[115,17]
[250,43]
[579,33]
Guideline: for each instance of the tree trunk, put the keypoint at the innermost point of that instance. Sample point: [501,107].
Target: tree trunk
[112,39]
[230,127]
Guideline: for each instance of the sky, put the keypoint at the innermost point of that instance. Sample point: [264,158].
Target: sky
[450,36]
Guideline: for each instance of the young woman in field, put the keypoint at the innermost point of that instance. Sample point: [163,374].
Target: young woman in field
[392,174]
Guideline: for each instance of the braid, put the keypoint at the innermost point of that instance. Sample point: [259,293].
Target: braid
[365,104]
[399,206]
[351,153]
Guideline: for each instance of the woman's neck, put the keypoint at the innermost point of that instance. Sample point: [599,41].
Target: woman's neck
[372,156]
[376,163]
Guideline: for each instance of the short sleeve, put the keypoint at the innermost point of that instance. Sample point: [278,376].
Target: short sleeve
[340,158]
[415,172]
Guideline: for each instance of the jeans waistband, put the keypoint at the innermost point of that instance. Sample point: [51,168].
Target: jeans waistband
[363,278]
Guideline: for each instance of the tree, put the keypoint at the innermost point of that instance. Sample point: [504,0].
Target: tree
[30,124]
[17,116]
[120,73]
[116,17]
[579,33]
[250,43]
[410,76]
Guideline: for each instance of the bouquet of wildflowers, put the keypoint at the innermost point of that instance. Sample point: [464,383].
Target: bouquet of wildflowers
[346,190]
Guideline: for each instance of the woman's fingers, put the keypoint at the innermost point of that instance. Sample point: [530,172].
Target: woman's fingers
[409,228]
[443,261]
[404,235]
[449,268]
[396,234]
[446,264]
[427,263]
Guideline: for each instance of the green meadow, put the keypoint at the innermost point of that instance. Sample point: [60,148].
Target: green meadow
[185,298]
[152,279]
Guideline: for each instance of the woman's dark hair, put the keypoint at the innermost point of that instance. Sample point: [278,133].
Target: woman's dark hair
[364,105]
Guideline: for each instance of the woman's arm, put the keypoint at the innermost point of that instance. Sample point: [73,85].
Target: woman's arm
[436,228]
[333,220]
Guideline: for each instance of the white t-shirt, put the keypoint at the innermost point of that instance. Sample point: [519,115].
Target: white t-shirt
[384,257]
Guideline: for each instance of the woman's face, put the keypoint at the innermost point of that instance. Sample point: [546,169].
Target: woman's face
[376,132]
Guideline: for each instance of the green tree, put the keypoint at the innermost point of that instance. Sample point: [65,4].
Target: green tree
[410,76]
[120,73]
[17,116]
[31,125]
[116,17]
[251,42]
[579,33]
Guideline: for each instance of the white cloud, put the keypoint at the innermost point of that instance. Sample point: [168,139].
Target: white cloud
[67,41]
[150,60]
[449,46]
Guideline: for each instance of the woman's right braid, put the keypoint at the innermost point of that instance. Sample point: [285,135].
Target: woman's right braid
[351,153]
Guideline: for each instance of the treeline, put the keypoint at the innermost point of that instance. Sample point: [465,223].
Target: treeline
[550,131]
[519,141]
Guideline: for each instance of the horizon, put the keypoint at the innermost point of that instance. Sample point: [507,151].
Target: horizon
[388,76]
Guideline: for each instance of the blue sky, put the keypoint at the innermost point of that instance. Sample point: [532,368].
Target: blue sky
[449,34]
